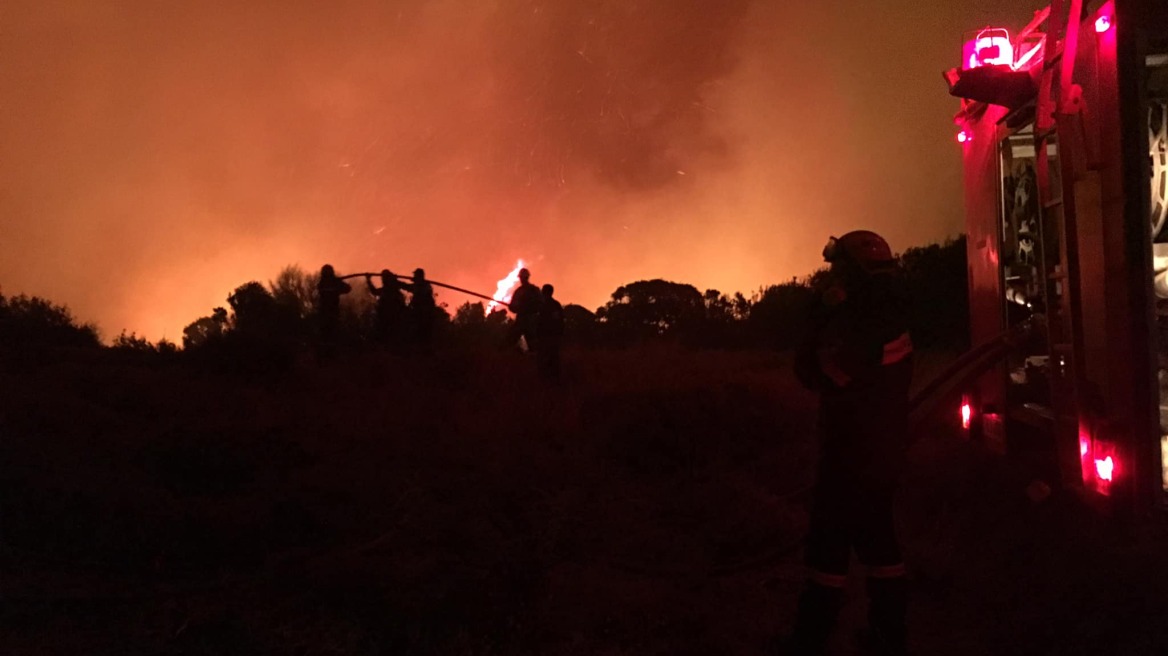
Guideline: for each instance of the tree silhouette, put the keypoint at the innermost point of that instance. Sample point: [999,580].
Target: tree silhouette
[257,313]
[650,308]
[719,307]
[205,330]
[779,315]
[579,325]
[721,326]
[938,282]
[34,321]
[741,307]
[776,316]
[296,289]
[470,315]
[141,349]
[253,309]
[471,325]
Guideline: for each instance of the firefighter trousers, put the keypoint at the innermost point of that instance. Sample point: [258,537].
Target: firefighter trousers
[848,514]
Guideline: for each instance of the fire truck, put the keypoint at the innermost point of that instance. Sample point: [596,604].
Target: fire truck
[1063,127]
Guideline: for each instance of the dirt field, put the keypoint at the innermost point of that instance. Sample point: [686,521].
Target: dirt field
[652,504]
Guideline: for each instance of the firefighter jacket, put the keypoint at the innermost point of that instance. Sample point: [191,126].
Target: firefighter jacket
[390,302]
[423,295]
[329,292]
[859,357]
[526,300]
[550,324]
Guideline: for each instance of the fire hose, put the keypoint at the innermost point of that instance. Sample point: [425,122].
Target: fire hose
[432,282]
[970,365]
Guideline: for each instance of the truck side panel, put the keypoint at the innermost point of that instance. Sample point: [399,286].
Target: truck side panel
[982,216]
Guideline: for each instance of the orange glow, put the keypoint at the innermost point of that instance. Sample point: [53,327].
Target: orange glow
[505,287]
[150,170]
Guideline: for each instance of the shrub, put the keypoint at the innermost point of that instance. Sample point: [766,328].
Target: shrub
[32,321]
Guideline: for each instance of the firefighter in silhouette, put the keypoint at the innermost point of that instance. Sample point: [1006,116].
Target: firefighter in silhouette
[525,302]
[859,358]
[549,334]
[328,307]
[391,309]
[422,309]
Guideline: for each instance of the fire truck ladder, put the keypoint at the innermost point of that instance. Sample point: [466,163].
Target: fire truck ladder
[1057,113]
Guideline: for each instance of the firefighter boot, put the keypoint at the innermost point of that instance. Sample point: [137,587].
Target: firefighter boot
[818,607]
[887,607]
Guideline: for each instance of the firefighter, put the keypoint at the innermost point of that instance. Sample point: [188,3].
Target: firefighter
[328,306]
[422,309]
[391,308]
[525,302]
[859,358]
[549,334]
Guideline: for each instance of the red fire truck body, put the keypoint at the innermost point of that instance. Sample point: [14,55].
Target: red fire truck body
[1064,132]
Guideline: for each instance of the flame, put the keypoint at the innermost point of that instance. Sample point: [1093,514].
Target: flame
[505,287]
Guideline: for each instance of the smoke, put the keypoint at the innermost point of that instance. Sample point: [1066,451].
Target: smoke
[157,155]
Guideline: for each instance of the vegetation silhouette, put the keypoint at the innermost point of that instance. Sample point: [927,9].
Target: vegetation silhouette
[580,326]
[473,327]
[936,277]
[285,313]
[236,491]
[31,321]
[650,309]
[639,312]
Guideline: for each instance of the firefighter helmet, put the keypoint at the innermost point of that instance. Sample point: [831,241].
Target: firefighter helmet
[862,247]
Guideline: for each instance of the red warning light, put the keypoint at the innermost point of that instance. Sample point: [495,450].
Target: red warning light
[964,137]
[1102,24]
[1105,468]
[991,47]
[966,415]
[1101,463]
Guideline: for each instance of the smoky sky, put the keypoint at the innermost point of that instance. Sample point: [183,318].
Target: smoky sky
[153,156]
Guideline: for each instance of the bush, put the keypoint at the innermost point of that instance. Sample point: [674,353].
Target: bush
[938,283]
[29,321]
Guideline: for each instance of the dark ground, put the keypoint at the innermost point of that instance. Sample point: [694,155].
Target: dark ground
[652,505]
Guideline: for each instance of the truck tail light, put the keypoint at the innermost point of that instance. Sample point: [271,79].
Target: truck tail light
[1100,462]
